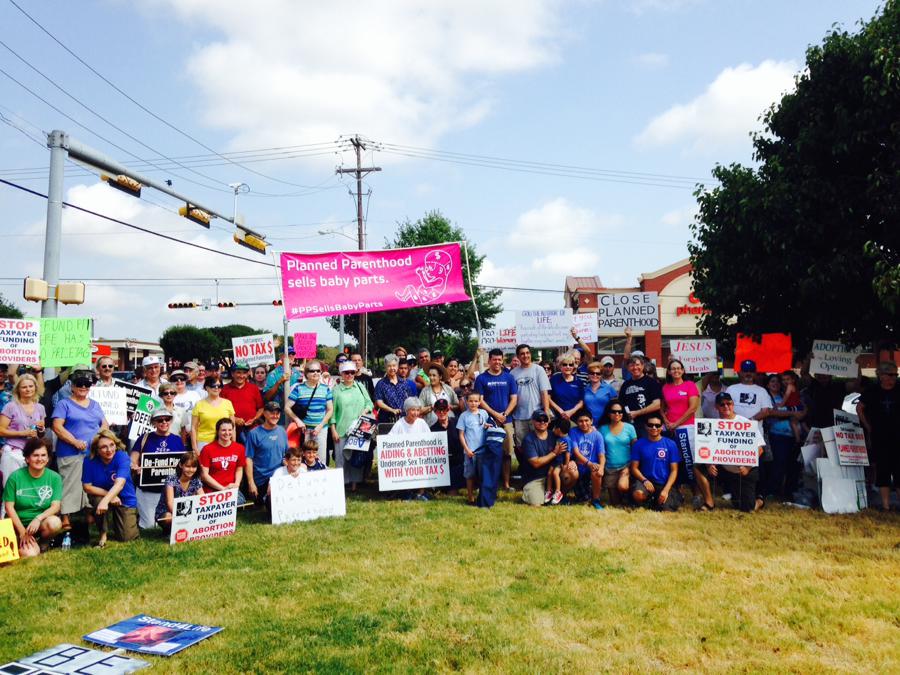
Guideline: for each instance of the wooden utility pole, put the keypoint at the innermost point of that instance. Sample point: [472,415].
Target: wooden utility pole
[360,171]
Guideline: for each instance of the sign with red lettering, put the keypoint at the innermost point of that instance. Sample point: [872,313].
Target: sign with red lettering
[254,350]
[498,338]
[698,356]
[205,516]
[734,442]
[851,445]
[305,345]
[20,341]
[412,461]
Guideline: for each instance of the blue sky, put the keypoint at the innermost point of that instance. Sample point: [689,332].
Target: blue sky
[662,87]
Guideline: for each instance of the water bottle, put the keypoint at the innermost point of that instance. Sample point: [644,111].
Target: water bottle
[67,542]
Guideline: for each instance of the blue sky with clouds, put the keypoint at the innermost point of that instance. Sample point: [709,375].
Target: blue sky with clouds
[635,91]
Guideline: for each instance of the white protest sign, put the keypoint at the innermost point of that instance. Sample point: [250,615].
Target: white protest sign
[20,341]
[254,350]
[585,326]
[311,495]
[113,402]
[698,356]
[639,311]
[412,461]
[544,327]
[140,421]
[851,445]
[733,442]
[205,516]
[66,658]
[844,417]
[833,358]
[498,338]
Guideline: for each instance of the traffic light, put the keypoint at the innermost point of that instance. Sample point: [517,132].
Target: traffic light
[182,305]
[126,184]
[277,303]
[252,240]
[197,215]
[227,305]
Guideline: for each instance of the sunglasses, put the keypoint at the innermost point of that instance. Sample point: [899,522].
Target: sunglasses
[178,379]
[168,393]
[616,412]
[105,366]
[164,420]
[654,426]
[595,372]
[541,420]
[312,372]
[214,386]
[81,382]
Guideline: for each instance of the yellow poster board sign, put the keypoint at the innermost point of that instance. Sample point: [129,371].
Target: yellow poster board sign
[9,545]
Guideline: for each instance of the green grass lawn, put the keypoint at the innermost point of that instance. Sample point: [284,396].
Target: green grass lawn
[414,587]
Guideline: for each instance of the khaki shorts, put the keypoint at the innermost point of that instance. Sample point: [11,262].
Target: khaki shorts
[73,497]
[522,429]
[533,492]
[508,442]
[121,522]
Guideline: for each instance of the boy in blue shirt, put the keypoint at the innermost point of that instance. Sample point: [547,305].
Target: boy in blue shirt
[654,468]
[471,425]
[589,452]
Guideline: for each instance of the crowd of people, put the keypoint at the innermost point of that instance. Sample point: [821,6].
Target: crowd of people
[577,429]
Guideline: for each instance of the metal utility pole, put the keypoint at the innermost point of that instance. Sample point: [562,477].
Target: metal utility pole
[360,171]
[56,141]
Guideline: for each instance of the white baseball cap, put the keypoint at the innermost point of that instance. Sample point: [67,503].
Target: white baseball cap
[151,361]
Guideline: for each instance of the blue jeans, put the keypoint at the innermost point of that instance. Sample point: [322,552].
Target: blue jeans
[782,452]
[490,462]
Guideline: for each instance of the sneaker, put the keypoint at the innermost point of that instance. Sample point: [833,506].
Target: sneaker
[548,496]
[596,504]
[422,498]
[727,496]
[557,497]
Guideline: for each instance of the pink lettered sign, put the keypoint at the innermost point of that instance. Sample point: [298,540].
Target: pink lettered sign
[305,345]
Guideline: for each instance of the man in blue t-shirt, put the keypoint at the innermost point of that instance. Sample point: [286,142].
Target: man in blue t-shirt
[539,450]
[654,468]
[266,445]
[499,396]
[589,452]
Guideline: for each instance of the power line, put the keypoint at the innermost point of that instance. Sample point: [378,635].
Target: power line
[143,107]
[136,227]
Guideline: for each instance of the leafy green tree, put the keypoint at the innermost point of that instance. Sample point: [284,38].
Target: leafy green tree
[184,343]
[8,310]
[809,243]
[437,326]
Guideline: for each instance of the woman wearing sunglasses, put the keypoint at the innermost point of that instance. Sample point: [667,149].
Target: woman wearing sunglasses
[76,420]
[618,437]
[311,405]
[566,390]
[208,411]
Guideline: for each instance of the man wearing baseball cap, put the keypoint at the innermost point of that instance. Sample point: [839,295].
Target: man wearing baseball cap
[740,481]
[152,366]
[245,397]
[539,450]
[608,364]
[266,446]
[750,400]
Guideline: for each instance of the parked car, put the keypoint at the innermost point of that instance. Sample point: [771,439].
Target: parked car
[124,375]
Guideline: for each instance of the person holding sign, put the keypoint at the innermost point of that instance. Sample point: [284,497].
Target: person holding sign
[245,399]
[654,467]
[76,421]
[207,412]
[879,414]
[222,461]
[350,401]
[21,419]
[412,423]
[161,439]
[32,498]
[106,477]
[185,482]
[437,389]
[740,481]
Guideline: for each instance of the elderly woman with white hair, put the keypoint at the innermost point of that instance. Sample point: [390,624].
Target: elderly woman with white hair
[391,392]
[412,423]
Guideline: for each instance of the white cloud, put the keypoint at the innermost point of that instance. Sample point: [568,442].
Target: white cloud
[640,7]
[403,71]
[652,60]
[723,115]
[679,218]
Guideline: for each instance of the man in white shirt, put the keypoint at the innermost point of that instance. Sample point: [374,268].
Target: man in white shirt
[750,400]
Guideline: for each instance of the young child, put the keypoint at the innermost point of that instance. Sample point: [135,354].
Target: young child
[311,456]
[471,425]
[185,483]
[560,428]
[792,402]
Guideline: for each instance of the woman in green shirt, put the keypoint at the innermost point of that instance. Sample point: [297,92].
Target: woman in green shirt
[350,401]
[32,499]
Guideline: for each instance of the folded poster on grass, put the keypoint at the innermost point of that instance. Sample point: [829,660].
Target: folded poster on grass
[149,635]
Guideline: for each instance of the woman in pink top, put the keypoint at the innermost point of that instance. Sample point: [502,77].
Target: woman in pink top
[680,402]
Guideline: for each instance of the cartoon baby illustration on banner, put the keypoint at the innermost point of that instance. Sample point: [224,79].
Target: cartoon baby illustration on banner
[433,276]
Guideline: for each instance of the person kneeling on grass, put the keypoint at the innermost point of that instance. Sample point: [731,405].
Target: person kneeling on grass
[589,452]
[740,481]
[32,497]
[185,483]
[654,468]
[560,428]
[539,450]
[106,477]
[222,461]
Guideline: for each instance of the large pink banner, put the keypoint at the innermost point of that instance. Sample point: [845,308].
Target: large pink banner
[352,282]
